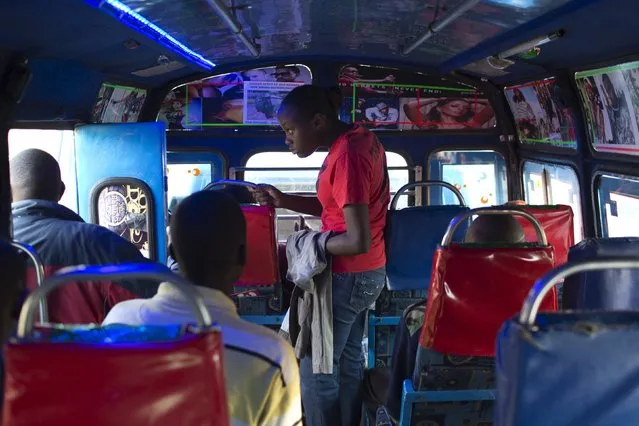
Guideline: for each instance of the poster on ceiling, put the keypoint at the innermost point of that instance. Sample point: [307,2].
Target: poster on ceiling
[389,99]
[540,114]
[611,103]
[118,104]
[246,98]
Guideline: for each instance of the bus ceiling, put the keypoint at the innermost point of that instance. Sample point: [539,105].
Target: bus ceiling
[155,43]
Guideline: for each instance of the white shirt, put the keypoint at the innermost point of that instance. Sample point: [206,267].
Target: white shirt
[260,369]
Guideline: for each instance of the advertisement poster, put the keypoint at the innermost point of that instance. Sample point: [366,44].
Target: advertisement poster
[611,100]
[247,98]
[383,98]
[118,104]
[539,116]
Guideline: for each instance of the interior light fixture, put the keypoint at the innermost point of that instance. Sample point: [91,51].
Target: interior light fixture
[139,23]
[529,45]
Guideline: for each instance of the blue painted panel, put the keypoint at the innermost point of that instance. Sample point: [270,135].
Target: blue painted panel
[124,150]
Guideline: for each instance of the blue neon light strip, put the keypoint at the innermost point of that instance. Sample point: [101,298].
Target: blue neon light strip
[139,23]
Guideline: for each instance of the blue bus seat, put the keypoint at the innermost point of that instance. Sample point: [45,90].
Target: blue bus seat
[568,368]
[412,235]
[616,289]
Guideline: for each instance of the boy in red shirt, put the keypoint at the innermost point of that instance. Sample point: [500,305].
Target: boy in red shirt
[353,194]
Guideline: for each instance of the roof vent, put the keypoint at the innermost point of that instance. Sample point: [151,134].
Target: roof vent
[160,69]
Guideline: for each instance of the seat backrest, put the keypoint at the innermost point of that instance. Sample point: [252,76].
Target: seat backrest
[474,290]
[412,236]
[261,267]
[558,224]
[614,289]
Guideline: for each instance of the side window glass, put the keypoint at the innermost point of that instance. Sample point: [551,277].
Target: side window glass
[299,176]
[479,175]
[549,184]
[61,145]
[618,205]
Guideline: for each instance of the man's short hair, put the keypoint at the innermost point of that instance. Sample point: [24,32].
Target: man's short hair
[495,229]
[35,174]
[208,235]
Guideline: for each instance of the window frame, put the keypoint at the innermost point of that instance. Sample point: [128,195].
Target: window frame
[238,173]
[548,193]
[596,179]
[461,148]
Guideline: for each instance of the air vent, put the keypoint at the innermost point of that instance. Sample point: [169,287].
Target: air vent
[158,69]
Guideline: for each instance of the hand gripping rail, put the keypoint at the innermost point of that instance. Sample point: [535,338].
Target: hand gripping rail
[112,272]
[408,186]
[544,284]
[39,270]
[448,236]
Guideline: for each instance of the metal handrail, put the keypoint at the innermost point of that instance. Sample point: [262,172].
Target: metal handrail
[112,272]
[425,183]
[448,236]
[544,284]
[40,275]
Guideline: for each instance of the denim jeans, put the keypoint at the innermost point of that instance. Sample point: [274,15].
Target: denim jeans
[336,399]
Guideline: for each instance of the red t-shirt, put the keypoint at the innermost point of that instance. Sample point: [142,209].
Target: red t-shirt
[355,172]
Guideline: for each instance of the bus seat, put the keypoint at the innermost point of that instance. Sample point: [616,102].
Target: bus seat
[616,289]
[568,368]
[412,235]
[558,224]
[474,288]
[261,267]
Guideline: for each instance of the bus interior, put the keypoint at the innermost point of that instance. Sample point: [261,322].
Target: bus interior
[521,105]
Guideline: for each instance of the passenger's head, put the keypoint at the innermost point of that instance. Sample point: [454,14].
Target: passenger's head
[208,235]
[13,267]
[35,174]
[308,115]
[495,229]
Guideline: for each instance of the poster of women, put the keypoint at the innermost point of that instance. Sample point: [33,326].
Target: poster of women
[236,99]
[611,99]
[384,98]
[539,114]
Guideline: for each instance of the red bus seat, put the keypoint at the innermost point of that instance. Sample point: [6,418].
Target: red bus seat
[474,289]
[261,269]
[558,224]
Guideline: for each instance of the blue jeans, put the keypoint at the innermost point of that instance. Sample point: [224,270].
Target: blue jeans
[336,399]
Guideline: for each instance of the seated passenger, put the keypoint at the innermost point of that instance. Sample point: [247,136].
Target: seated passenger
[13,269]
[241,194]
[488,229]
[208,232]
[63,239]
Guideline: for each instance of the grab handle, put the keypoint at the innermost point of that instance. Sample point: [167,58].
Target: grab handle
[225,182]
[39,269]
[483,211]
[112,272]
[544,284]
[408,186]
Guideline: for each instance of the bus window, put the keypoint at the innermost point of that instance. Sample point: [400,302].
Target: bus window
[299,175]
[479,175]
[185,179]
[61,145]
[618,206]
[547,184]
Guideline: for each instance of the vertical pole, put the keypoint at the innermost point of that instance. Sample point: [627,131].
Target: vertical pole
[14,78]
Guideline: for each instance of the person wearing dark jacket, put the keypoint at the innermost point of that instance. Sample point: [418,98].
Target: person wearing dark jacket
[63,239]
